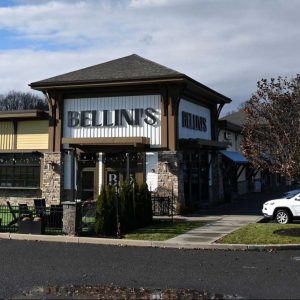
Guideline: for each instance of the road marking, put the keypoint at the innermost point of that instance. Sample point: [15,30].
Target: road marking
[296,258]
[249,267]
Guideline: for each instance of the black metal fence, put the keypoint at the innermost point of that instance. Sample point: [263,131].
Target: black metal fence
[88,218]
[48,220]
[27,219]
[163,204]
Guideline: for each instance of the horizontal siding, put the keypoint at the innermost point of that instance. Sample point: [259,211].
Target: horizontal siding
[6,135]
[32,135]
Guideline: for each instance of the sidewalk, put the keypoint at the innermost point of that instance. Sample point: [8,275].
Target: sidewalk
[220,222]
[215,229]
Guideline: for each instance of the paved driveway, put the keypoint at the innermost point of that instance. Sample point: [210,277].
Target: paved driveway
[249,204]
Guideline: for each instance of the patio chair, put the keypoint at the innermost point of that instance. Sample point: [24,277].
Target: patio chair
[40,207]
[22,212]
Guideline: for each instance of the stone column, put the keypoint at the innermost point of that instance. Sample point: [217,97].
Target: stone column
[71,217]
[170,174]
[52,177]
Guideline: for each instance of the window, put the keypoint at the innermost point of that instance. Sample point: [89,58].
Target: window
[19,171]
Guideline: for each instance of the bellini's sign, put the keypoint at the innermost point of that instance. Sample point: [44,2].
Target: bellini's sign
[111,118]
[194,122]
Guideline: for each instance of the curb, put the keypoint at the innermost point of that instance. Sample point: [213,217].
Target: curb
[140,243]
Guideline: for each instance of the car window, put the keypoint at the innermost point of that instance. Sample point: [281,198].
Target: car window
[291,194]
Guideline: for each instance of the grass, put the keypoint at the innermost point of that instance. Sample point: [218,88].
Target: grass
[261,233]
[163,230]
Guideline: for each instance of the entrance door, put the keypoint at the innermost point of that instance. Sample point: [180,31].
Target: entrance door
[88,184]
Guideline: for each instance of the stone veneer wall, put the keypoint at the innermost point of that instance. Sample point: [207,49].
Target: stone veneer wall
[52,177]
[170,174]
[16,196]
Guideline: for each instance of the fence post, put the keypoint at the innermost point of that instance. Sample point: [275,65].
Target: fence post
[71,217]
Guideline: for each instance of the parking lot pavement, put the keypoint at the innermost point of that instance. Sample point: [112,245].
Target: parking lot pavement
[248,204]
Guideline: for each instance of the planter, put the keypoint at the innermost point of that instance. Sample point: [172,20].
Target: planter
[33,226]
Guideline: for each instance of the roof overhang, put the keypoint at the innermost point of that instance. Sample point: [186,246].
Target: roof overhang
[108,143]
[201,144]
[192,85]
[226,125]
[23,114]
[41,86]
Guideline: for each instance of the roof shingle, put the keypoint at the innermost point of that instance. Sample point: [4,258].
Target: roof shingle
[126,68]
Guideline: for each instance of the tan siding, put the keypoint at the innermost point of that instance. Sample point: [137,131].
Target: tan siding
[32,135]
[6,135]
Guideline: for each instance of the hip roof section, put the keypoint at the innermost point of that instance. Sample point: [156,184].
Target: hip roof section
[132,69]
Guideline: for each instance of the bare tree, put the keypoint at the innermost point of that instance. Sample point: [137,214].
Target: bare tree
[22,101]
[272,127]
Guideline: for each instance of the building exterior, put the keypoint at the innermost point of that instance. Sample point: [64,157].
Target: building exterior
[23,143]
[131,118]
[235,168]
[238,176]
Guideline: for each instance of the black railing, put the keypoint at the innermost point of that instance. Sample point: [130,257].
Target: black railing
[22,217]
[88,218]
[163,205]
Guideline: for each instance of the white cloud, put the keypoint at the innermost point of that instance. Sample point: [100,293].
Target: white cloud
[227,45]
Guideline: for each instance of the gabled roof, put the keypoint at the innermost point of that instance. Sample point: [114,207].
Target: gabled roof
[237,118]
[126,68]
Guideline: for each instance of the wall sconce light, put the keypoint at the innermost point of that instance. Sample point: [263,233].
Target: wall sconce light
[166,166]
[51,165]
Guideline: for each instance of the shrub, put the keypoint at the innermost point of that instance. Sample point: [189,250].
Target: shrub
[100,212]
[144,206]
[106,223]
[126,209]
[134,209]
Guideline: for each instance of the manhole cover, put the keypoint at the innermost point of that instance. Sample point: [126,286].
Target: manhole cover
[288,232]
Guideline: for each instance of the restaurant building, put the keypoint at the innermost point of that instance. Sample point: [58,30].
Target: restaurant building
[131,118]
[23,142]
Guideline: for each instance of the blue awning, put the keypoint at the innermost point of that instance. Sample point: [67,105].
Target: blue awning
[234,156]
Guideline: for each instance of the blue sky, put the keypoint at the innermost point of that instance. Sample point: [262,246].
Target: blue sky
[227,45]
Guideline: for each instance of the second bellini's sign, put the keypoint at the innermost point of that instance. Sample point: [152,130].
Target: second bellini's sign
[117,116]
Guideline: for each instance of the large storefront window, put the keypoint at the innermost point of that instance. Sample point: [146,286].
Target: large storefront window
[196,177]
[20,171]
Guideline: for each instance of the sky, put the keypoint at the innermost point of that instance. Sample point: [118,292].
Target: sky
[227,45]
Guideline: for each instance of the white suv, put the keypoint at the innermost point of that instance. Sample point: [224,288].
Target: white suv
[285,209]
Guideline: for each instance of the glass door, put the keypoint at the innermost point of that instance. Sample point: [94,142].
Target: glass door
[88,184]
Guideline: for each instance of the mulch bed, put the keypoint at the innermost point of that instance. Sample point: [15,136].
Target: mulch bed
[288,232]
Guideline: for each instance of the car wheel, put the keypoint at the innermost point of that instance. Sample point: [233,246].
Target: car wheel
[282,216]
